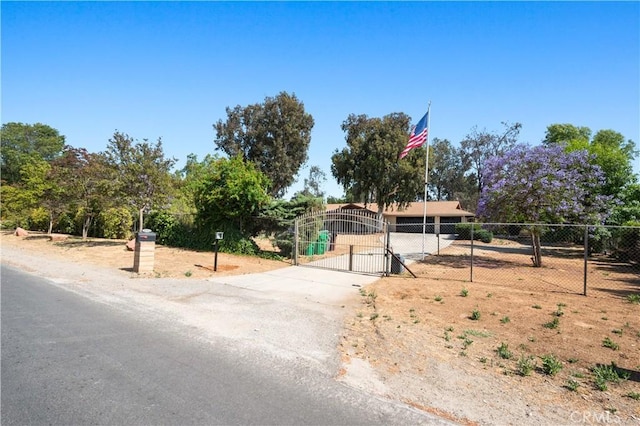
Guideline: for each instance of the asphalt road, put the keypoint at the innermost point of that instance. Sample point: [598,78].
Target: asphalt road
[69,360]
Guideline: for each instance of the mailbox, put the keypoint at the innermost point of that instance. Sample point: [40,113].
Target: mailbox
[146,235]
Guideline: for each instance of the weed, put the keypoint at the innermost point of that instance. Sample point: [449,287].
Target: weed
[601,384]
[608,343]
[373,316]
[438,298]
[523,347]
[552,324]
[617,331]
[462,353]
[483,360]
[604,318]
[363,292]
[634,298]
[359,314]
[572,385]
[634,395]
[489,295]
[532,339]
[505,320]
[561,305]
[467,342]
[447,336]
[559,312]
[503,351]
[537,307]
[526,364]
[450,328]
[578,374]
[551,365]
[475,315]
[477,333]
[417,320]
[609,373]
[572,360]
[188,274]
[464,292]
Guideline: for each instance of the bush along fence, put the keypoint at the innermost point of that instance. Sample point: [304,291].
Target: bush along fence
[562,258]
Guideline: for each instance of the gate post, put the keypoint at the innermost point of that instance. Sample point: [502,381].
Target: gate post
[295,242]
[387,247]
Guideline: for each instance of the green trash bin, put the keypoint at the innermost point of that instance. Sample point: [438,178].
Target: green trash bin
[323,242]
[310,250]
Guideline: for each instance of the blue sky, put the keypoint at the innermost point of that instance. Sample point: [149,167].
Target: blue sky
[169,69]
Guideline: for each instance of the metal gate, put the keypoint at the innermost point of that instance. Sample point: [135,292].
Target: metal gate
[343,240]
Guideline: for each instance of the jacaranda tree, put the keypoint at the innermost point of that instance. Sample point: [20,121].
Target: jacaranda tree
[543,184]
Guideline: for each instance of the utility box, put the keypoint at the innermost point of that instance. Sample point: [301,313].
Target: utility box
[144,253]
[397,266]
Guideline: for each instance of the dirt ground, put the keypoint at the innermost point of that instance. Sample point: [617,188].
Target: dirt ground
[489,339]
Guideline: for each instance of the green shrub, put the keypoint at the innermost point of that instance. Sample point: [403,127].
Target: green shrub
[464,230]
[284,242]
[483,235]
[38,220]
[116,222]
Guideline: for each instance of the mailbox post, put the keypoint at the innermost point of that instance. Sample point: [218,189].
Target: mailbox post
[144,253]
[219,236]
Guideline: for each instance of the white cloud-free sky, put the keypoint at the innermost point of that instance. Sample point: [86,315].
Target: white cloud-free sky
[169,69]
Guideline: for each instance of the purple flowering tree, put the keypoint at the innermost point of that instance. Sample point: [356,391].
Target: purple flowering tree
[542,185]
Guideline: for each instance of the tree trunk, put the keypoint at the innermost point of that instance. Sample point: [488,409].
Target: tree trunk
[141,224]
[537,252]
[50,223]
[85,226]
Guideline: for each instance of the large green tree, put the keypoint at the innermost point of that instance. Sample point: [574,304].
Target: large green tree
[274,135]
[369,169]
[89,184]
[480,145]
[447,168]
[20,199]
[312,184]
[229,194]
[22,143]
[141,172]
[609,150]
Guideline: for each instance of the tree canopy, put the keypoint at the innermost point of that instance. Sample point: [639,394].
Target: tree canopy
[543,184]
[229,194]
[22,143]
[274,135]
[447,167]
[609,150]
[141,171]
[369,169]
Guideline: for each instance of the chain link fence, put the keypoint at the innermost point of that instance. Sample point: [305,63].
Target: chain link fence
[577,259]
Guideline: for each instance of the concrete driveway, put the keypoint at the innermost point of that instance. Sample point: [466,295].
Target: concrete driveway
[319,285]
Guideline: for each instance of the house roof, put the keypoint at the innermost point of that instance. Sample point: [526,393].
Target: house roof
[434,208]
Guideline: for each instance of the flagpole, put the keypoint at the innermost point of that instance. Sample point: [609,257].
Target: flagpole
[426,181]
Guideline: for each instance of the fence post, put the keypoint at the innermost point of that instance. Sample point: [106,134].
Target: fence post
[586,255]
[295,242]
[471,277]
[387,258]
[350,258]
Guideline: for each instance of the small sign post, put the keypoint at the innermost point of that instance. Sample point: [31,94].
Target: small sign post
[219,236]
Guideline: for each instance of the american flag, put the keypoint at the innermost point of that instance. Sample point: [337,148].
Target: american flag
[418,135]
